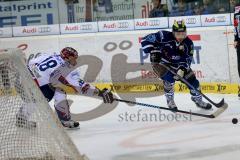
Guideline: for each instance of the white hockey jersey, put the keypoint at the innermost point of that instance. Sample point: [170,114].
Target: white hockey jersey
[52,69]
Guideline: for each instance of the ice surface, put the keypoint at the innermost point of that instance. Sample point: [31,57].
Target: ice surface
[136,132]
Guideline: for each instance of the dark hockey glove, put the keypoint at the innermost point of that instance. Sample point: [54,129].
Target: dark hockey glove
[155,57]
[107,95]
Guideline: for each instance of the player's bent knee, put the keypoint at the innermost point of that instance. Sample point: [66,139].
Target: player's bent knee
[191,78]
[60,95]
[159,70]
[61,105]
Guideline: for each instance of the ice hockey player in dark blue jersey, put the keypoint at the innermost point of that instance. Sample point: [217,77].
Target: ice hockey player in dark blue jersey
[237,36]
[174,49]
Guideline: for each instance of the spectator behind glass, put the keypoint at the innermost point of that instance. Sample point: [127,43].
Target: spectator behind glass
[181,10]
[103,5]
[223,6]
[159,10]
[226,6]
[197,8]
[233,3]
[208,7]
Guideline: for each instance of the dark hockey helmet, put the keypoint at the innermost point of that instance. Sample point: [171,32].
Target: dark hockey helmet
[179,30]
[68,52]
[179,26]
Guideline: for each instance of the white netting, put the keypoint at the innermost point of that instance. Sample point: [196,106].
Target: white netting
[46,141]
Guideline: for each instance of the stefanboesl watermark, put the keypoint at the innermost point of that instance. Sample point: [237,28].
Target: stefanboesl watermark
[141,116]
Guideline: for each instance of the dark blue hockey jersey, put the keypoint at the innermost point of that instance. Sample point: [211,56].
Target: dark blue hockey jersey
[171,51]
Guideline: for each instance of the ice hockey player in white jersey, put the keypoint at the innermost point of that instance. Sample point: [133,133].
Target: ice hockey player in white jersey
[49,71]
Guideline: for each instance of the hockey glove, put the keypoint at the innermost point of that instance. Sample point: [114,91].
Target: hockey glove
[107,95]
[155,56]
[180,73]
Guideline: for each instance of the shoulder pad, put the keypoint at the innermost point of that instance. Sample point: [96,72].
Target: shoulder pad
[151,38]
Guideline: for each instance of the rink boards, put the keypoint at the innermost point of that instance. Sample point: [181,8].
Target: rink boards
[115,60]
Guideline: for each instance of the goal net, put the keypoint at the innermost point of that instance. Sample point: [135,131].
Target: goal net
[46,139]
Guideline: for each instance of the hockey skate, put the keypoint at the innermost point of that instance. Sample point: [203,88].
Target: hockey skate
[70,124]
[23,122]
[171,104]
[201,104]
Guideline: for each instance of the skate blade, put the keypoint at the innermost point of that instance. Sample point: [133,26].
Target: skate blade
[204,109]
[71,129]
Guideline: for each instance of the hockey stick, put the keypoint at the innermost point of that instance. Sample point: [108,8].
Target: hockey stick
[218,105]
[213,115]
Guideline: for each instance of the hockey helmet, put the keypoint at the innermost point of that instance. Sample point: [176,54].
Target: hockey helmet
[179,26]
[68,52]
[179,30]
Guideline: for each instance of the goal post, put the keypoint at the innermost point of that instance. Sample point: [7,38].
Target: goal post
[47,140]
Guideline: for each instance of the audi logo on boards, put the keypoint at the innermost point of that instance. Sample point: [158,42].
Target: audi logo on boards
[221,19]
[123,25]
[191,20]
[44,29]
[86,27]
[1,32]
[154,23]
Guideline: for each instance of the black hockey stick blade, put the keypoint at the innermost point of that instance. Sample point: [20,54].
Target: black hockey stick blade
[220,104]
[214,115]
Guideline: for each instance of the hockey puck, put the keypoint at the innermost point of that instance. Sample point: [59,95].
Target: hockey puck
[234,120]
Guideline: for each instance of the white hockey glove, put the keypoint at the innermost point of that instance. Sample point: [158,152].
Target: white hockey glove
[107,95]
[180,73]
